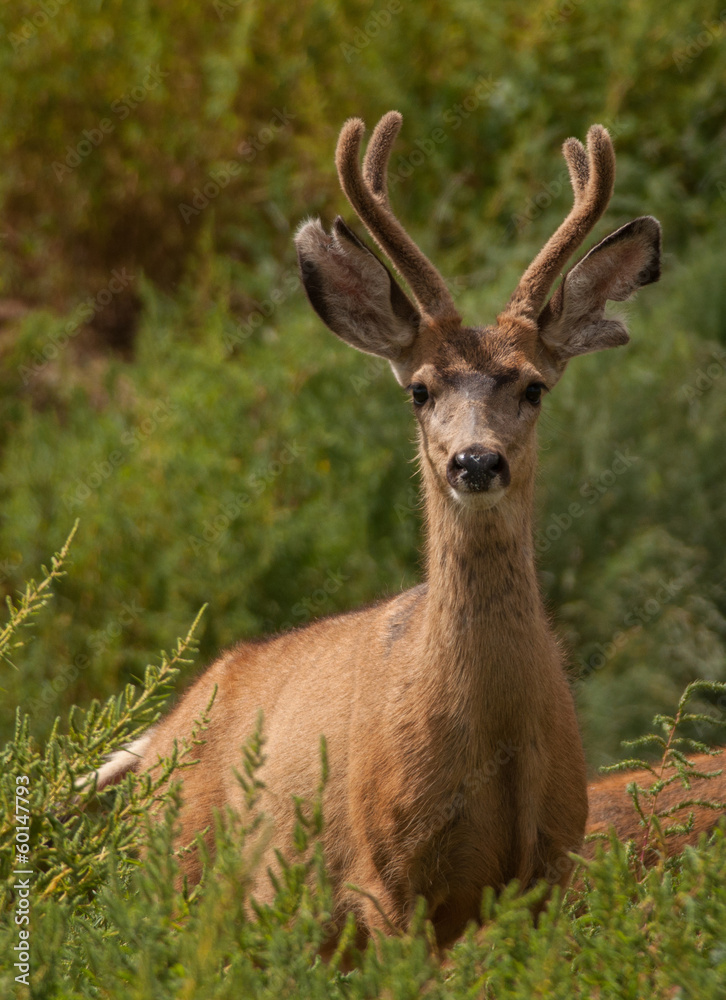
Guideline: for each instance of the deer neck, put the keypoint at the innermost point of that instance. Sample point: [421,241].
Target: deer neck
[484,613]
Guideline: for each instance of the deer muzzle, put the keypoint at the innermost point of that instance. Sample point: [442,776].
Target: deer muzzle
[477,469]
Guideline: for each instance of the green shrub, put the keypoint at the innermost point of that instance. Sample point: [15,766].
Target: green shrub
[265,470]
[164,382]
[115,116]
[102,923]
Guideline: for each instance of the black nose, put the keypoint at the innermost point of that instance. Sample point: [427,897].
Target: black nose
[476,469]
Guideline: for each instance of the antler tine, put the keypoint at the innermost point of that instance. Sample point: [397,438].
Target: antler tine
[577,165]
[378,153]
[368,197]
[592,175]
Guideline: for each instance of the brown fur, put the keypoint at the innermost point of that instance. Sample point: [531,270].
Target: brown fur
[611,806]
[454,752]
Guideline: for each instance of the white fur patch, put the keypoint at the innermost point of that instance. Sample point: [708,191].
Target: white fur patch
[118,763]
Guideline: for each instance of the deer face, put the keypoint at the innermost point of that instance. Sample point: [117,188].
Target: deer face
[476,392]
[477,401]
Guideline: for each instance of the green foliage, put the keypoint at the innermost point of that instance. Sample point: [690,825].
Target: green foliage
[164,383]
[31,601]
[673,768]
[114,116]
[72,849]
[634,570]
[212,477]
[103,923]
[233,453]
[273,482]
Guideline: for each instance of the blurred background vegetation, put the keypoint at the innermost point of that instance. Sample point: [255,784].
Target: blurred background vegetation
[164,380]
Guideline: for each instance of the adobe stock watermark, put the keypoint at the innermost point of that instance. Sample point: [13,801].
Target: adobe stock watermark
[224,7]
[713,31]
[313,605]
[32,25]
[45,700]
[472,784]
[592,490]
[705,378]
[375,23]
[549,191]
[561,866]
[10,566]
[92,138]
[562,12]
[214,528]
[373,367]
[23,874]
[288,285]
[453,118]
[715,713]
[413,504]
[219,177]
[102,470]
[633,621]
[364,376]
[249,148]
[81,315]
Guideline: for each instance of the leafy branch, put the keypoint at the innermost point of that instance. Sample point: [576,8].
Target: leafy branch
[675,765]
[34,597]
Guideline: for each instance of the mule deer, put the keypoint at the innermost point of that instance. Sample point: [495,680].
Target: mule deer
[612,806]
[455,760]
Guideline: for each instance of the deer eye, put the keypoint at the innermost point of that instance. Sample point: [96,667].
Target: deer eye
[533,393]
[420,393]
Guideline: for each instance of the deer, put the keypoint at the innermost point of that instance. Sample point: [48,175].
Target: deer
[612,808]
[455,760]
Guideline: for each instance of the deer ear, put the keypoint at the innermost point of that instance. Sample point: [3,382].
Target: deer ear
[355,294]
[573,321]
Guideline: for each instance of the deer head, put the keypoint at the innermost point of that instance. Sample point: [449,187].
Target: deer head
[476,391]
